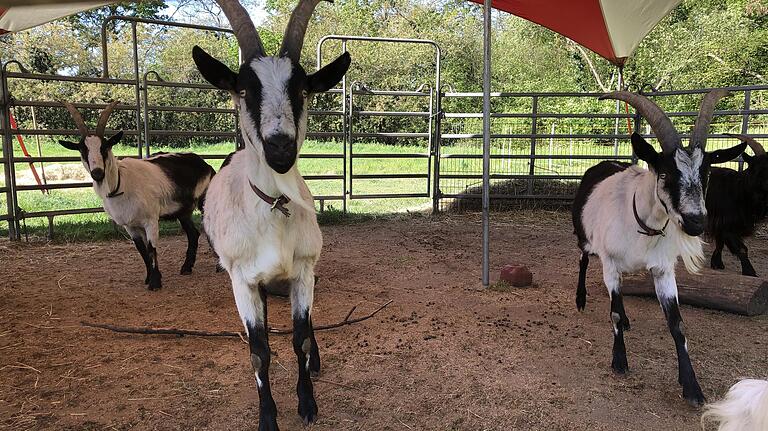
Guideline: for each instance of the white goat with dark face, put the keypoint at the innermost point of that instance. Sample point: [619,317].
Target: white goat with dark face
[636,219]
[137,193]
[259,214]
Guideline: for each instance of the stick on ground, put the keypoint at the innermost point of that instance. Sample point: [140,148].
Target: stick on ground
[148,330]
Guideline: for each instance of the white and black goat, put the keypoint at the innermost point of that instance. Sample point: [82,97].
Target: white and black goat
[744,408]
[259,213]
[736,203]
[635,219]
[137,193]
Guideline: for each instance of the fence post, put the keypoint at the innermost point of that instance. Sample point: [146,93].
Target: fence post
[532,164]
[5,125]
[436,151]
[346,122]
[638,119]
[745,120]
[137,86]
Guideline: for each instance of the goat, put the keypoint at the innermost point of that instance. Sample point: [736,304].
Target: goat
[260,214]
[635,219]
[137,193]
[736,203]
[744,408]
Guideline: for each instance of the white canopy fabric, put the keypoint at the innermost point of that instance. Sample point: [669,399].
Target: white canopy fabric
[15,18]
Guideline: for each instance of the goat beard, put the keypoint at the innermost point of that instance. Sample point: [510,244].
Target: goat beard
[290,184]
[691,252]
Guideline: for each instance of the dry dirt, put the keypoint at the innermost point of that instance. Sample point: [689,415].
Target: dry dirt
[445,355]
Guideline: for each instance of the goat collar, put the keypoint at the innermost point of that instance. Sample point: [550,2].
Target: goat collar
[275,203]
[114,193]
[645,229]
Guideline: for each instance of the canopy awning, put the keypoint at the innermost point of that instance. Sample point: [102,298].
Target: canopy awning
[16,18]
[611,28]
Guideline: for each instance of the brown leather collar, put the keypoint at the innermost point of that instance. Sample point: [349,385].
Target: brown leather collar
[275,203]
[646,230]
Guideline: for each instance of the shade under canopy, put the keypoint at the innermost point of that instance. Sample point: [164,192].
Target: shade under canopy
[14,17]
[611,28]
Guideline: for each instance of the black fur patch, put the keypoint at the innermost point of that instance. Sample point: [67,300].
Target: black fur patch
[591,178]
[185,171]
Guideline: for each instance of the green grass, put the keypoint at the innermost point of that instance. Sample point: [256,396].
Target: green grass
[97,226]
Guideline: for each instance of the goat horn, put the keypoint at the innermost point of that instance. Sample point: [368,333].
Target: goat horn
[79,122]
[757,148]
[706,112]
[293,39]
[242,26]
[104,117]
[662,127]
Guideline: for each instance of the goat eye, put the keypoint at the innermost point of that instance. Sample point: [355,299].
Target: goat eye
[662,176]
[305,93]
[242,93]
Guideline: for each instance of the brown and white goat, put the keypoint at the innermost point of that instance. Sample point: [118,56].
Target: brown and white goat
[136,193]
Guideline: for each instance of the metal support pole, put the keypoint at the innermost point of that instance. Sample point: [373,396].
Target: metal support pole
[430,139]
[486,138]
[345,125]
[534,132]
[745,121]
[138,89]
[5,124]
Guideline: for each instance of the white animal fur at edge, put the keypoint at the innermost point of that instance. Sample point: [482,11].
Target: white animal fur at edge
[610,226]
[744,408]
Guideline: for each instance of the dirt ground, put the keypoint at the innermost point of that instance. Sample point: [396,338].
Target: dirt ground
[445,355]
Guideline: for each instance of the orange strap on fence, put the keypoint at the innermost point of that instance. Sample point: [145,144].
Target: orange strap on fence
[14,126]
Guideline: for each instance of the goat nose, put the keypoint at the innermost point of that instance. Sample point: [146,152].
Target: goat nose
[694,224]
[97,174]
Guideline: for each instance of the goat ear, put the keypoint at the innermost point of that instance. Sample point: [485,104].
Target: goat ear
[728,154]
[214,71]
[74,146]
[330,75]
[644,150]
[114,139]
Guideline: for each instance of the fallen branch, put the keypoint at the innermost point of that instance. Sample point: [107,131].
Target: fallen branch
[147,330]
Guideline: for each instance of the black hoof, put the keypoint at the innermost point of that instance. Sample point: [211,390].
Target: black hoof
[186,270]
[314,365]
[146,279]
[219,268]
[155,281]
[717,265]
[620,366]
[268,423]
[581,302]
[749,273]
[695,398]
[625,323]
[308,410]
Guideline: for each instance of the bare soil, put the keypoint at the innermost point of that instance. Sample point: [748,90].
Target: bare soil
[445,355]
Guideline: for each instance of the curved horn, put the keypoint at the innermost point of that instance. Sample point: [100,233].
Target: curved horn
[79,122]
[245,32]
[104,117]
[757,148]
[293,39]
[662,127]
[706,112]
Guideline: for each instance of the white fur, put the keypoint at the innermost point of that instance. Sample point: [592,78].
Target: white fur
[744,408]
[691,196]
[276,112]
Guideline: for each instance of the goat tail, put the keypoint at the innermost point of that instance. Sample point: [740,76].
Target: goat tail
[581,289]
[744,408]
[201,199]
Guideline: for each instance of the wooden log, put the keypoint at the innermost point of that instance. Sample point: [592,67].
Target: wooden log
[733,293]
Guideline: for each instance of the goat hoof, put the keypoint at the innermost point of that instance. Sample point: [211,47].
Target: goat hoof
[620,367]
[314,366]
[155,282]
[749,273]
[308,410]
[581,303]
[146,280]
[268,423]
[695,398]
[717,265]
[219,268]
[186,270]
[625,323]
